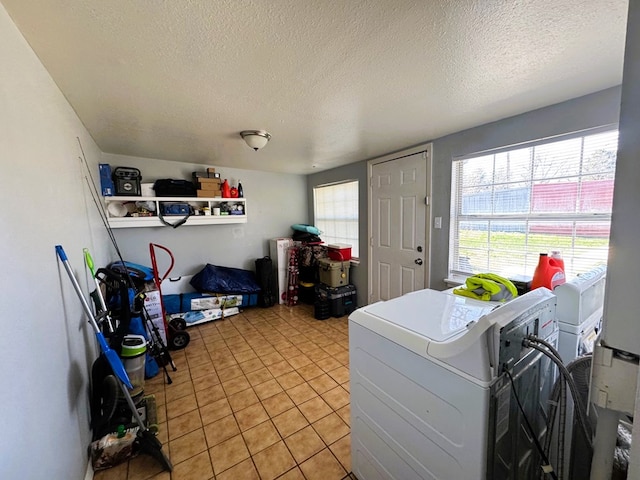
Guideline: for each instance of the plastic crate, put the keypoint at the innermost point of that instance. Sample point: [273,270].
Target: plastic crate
[342,300]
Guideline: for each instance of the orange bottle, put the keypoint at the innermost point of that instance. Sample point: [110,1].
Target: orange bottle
[549,273]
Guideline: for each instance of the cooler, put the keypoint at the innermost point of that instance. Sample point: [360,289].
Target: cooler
[334,273]
[339,251]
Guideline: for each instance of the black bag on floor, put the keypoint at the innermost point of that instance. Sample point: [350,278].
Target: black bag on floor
[267,281]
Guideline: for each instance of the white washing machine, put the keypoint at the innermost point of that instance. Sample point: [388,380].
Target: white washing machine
[429,396]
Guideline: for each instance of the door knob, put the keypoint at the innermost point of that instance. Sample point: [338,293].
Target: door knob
[418,261]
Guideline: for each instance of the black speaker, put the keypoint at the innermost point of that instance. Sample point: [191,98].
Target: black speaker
[126,181]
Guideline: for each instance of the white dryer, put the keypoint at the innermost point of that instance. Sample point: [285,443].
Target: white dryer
[429,396]
[580,308]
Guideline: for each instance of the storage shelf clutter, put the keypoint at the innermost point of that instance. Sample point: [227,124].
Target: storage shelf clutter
[206,200]
[203,206]
[307,272]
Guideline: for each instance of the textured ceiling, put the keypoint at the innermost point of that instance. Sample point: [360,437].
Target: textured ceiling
[334,81]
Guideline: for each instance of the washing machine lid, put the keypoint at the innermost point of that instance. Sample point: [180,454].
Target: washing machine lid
[431,314]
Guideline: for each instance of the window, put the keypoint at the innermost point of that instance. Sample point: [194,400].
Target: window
[335,210]
[509,206]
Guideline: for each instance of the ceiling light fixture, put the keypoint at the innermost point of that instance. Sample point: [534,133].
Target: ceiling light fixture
[256,139]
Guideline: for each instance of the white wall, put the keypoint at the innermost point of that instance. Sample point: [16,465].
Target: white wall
[275,201]
[45,347]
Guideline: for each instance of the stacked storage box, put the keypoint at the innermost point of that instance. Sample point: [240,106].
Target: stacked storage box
[341,300]
[334,291]
[207,183]
[334,273]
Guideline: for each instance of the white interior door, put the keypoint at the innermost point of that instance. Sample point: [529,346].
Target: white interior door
[399,250]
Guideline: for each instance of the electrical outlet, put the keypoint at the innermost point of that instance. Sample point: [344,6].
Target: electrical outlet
[437,222]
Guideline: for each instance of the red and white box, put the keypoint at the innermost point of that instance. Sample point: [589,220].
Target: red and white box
[339,251]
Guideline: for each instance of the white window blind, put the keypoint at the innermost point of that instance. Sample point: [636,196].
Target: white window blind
[336,213]
[507,207]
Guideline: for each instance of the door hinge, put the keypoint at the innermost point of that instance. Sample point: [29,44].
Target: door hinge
[371,241]
[426,200]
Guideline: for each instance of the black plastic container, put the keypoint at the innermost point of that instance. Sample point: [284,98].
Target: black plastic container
[342,300]
[321,309]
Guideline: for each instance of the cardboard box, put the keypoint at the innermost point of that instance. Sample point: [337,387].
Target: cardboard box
[209,193]
[209,185]
[186,302]
[209,173]
[202,316]
[154,310]
[278,250]
[204,180]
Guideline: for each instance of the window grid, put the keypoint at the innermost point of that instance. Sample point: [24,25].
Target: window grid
[508,207]
[336,213]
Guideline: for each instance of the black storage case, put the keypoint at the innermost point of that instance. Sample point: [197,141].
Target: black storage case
[342,300]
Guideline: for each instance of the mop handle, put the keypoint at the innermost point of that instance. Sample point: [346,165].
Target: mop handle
[111,355]
[89,261]
[76,286]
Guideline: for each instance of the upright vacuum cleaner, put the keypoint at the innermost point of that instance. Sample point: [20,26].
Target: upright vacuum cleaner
[146,441]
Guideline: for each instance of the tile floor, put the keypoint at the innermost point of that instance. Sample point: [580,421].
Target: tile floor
[260,395]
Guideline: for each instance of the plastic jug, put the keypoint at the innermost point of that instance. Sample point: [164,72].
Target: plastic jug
[555,254]
[549,273]
[226,190]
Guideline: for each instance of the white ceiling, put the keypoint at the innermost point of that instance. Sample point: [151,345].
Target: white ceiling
[334,81]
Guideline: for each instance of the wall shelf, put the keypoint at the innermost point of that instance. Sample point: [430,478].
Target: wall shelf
[196,202]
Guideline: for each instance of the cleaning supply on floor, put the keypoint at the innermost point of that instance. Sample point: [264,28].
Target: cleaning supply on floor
[113,448]
[549,273]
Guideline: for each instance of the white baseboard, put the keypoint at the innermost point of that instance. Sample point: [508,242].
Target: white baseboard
[89,473]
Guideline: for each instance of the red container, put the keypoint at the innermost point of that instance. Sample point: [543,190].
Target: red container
[549,273]
[340,252]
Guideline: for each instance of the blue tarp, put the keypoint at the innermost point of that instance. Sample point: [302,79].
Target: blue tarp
[215,279]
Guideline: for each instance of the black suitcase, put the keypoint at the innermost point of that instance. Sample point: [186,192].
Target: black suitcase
[268,296]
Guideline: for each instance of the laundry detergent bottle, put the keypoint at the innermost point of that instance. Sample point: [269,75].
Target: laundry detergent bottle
[549,273]
[555,254]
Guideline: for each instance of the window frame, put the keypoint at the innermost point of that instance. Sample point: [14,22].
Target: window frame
[456,218]
[317,219]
